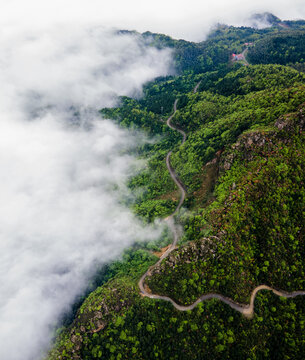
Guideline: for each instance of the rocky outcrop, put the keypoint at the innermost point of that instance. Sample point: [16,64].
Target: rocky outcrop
[191,252]
[255,142]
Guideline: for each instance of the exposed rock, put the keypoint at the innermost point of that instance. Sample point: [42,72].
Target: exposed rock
[98,314]
[82,329]
[76,339]
[228,162]
[281,123]
[212,162]
[246,146]
[99,326]
[193,251]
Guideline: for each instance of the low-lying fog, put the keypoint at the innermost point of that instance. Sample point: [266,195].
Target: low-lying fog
[59,212]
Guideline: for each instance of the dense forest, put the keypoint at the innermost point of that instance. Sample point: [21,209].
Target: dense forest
[242,166]
[283,48]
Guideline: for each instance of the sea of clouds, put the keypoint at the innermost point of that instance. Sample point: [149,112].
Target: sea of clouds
[63,170]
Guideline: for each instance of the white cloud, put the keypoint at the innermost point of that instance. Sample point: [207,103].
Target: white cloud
[186,19]
[59,214]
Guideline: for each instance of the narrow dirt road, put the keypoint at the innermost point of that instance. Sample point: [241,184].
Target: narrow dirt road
[169,219]
[246,309]
[244,56]
[196,87]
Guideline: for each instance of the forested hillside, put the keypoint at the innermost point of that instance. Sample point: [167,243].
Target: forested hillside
[242,166]
[283,48]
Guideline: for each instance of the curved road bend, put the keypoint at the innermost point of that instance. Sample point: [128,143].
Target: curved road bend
[246,310]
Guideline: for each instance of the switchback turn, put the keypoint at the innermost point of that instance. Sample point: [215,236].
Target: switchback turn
[246,309]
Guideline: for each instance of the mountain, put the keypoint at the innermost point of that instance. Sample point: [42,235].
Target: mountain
[264,19]
[241,169]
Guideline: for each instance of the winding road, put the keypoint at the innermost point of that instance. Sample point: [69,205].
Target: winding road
[246,309]
[244,56]
[196,87]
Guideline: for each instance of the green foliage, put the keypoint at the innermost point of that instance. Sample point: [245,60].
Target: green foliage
[284,48]
[192,57]
[257,222]
[131,115]
[215,121]
[210,330]
[255,78]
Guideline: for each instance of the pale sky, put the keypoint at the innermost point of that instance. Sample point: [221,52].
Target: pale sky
[189,19]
